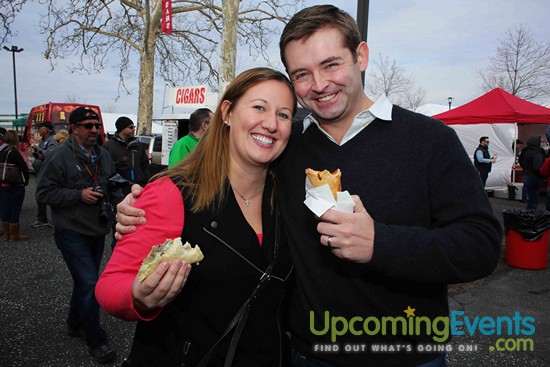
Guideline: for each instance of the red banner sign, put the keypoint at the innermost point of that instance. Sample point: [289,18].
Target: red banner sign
[166,22]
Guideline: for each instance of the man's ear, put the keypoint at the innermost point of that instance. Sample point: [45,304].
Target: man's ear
[363,55]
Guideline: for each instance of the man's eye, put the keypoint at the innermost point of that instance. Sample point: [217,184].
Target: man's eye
[300,76]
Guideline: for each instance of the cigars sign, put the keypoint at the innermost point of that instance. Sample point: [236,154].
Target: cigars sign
[194,96]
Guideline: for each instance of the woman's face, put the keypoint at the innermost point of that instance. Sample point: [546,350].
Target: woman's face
[259,124]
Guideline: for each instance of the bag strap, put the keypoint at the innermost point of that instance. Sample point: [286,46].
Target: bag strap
[239,320]
[5,165]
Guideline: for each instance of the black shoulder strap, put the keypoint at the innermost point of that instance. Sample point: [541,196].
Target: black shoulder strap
[239,320]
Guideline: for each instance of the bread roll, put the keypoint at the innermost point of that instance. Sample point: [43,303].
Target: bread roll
[171,249]
[320,178]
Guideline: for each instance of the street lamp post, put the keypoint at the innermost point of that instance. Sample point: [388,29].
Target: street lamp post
[450,99]
[13,50]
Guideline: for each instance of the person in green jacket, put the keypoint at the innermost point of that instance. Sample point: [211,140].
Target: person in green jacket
[198,122]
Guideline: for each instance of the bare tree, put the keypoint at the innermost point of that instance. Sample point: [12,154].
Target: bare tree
[99,31]
[8,11]
[413,98]
[395,82]
[521,66]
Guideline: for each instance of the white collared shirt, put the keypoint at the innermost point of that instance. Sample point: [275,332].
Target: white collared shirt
[380,109]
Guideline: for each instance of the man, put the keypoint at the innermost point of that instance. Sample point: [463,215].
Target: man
[46,144]
[69,181]
[128,154]
[531,159]
[2,146]
[198,122]
[411,231]
[483,160]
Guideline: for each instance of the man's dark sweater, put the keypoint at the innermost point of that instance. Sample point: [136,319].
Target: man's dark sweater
[433,225]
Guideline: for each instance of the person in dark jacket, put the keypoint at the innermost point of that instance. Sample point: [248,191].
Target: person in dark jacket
[531,160]
[128,154]
[483,160]
[221,197]
[71,181]
[46,145]
[13,195]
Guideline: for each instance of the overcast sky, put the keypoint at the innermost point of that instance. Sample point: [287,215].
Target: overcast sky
[441,43]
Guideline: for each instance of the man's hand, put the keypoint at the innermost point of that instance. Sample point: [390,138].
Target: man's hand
[351,234]
[90,197]
[127,216]
[161,287]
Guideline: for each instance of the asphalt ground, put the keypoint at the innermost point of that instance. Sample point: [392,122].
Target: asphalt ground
[36,286]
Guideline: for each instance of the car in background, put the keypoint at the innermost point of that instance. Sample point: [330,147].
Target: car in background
[153,147]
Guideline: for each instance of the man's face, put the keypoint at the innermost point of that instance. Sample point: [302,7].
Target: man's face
[86,132]
[43,131]
[127,133]
[326,79]
[485,142]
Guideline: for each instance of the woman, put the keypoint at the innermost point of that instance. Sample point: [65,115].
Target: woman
[13,195]
[221,198]
[61,136]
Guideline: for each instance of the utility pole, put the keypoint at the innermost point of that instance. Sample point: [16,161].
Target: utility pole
[13,50]
[363,23]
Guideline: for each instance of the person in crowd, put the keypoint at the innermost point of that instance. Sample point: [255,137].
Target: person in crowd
[13,194]
[545,171]
[2,146]
[70,182]
[483,161]
[396,253]
[46,144]
[128,154]
[198,123]
[227,183]
[61,136]
[531,159]
[517,146]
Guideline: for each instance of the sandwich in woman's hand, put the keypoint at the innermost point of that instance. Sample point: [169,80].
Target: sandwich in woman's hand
[171,249]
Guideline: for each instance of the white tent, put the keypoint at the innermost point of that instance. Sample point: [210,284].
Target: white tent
[503,118]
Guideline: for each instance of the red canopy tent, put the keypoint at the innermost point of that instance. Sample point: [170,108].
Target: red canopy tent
[496,106]
[502,117]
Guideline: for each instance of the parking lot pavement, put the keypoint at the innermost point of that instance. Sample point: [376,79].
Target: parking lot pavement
[35,289]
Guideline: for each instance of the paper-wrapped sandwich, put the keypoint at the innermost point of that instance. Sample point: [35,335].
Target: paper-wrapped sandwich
[171,249]
[320,178]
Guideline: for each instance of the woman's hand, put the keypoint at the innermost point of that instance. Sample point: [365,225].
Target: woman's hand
[161,287]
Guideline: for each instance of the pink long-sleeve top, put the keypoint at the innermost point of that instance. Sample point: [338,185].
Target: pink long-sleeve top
[114,288]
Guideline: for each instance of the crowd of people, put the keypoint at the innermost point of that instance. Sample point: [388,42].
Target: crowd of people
[274,273]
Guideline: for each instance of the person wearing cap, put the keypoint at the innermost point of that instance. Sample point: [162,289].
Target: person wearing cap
[198,122]
[71,181]
[46,144]
[129,155]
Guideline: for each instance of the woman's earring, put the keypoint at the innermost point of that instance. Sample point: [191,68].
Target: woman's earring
[225,123]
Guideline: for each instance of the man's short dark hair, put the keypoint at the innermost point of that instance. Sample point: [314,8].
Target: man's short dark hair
[198,117]
[482,139]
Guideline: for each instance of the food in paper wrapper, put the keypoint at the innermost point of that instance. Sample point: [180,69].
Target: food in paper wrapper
[320,178]
[171,249]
